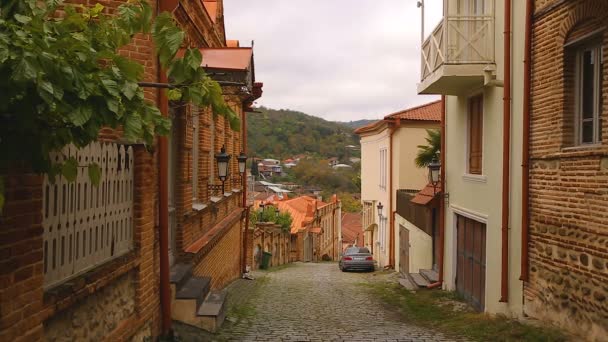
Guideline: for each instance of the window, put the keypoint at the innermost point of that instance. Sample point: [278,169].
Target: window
[475,124]
[589,66]
[383,168]
[195,152]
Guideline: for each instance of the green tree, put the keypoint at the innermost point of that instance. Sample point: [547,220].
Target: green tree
[426,153]
[62,79]
[254,168]
[349,203]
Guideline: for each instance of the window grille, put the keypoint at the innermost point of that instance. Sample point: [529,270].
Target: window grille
[86,225]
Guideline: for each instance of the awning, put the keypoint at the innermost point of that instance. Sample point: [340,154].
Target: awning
[231,66]
[426,195]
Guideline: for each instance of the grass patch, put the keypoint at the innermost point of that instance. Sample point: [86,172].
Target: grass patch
[446,312]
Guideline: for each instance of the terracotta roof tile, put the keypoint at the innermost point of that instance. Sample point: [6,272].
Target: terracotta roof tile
[351,227]
[301,210]
[426,195]
[426,112]
[230,58]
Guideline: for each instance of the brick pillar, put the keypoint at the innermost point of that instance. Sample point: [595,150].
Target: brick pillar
[21,266]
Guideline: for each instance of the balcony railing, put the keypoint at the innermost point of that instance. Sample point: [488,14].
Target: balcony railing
[461,38]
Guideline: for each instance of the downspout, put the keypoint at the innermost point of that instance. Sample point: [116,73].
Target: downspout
[163,200]
[391,235]
[244,181]
[506,156]
[442,198]
[525,181]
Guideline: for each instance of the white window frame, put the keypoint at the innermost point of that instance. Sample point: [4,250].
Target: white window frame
[598,59]
[383,168]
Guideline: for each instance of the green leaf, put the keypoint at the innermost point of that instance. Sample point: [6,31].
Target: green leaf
[193,58]
[94,173]
[133,127]
[174,94]
[80,115]
[69,169]
[111,86]
[129,89]
[22,18]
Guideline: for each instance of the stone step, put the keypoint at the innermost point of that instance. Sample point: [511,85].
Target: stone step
[194,288]
[431,275]
[407,283]
[180,273]
[419,280]
[212,312]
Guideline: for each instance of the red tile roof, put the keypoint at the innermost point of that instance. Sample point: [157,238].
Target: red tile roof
[302,210]
[351,228]
[426,195]
[232,43]
[426,112]
[369,127]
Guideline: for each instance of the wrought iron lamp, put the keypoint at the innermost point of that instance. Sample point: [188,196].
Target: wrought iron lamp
[223,162]
[242,158]
[434,173]
[380,207]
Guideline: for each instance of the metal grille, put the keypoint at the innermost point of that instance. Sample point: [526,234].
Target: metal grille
[86,225]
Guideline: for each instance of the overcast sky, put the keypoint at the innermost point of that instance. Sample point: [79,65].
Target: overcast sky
[340,60]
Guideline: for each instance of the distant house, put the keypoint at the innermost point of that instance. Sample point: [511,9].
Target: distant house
[269,168]
[352,230]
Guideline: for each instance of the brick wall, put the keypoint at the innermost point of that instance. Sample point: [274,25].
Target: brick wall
[568,184]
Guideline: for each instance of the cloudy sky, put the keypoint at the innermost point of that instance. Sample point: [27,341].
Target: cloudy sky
[340,60]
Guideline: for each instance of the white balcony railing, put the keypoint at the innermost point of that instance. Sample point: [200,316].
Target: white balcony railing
[460,39]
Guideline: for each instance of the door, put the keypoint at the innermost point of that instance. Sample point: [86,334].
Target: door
[471,261]
[404,250]
[172,159]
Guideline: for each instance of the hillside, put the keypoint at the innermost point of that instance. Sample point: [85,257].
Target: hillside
[357,124]
[284,133]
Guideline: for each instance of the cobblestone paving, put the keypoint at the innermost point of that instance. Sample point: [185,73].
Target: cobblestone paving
[317,302]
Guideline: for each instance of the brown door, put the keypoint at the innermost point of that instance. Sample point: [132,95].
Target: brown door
[471,261]
[404,250]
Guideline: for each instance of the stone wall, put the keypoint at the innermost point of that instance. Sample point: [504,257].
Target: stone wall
[95,316]
[568,183]
[269,237]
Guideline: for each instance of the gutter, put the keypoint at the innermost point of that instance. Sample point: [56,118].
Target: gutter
[441,199]
[391,234]
[244,183]
[506,156]
[525,180]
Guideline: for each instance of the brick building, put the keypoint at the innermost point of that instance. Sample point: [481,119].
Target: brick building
[81,262]
[568,264]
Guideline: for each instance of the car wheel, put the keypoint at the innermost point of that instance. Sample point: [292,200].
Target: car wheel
[343,269]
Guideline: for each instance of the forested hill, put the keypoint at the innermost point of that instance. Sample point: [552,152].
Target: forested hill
[281,134]
[358,123]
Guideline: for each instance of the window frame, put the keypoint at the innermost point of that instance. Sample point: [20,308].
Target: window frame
[595,46]
[383,167]
[468,145]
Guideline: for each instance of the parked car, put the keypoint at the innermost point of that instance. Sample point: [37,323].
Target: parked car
[356,258]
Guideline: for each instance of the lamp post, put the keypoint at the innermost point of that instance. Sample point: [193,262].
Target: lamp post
[434,173]
[380,206]
[242,158]
[223,161]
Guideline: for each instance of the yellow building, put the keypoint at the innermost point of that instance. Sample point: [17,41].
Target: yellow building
[467,59]
[388,150]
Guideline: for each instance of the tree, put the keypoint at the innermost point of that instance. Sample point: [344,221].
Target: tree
[62,79]
[254,168]
[427,153]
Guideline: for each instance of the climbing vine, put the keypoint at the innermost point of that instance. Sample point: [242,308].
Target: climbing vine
[62,79]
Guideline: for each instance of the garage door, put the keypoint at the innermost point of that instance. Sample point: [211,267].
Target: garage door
[471,262]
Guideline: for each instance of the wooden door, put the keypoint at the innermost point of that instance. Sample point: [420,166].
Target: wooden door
[471,261]
[404,250]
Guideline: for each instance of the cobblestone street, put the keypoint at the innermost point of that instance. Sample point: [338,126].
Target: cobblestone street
[316,302]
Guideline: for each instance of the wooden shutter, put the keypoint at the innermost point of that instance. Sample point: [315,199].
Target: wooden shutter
[475,134]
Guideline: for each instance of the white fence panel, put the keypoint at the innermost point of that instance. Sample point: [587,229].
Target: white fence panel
[86,225]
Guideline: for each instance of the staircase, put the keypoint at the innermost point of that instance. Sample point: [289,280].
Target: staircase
[193,302]
[424,278]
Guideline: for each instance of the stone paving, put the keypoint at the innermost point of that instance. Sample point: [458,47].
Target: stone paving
[314,302]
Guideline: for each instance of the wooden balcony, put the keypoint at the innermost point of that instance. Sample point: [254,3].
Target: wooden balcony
[458,50]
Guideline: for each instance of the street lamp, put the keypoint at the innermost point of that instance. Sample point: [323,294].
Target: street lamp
[223,160]
[434,173]
[242,158]
[380,206]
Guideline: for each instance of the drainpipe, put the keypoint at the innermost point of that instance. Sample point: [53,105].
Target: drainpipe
[506,156]
[244,181]
[391,234]
[441,199]
[163,200]
[525,181]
